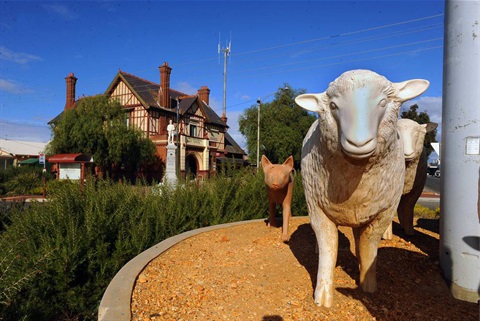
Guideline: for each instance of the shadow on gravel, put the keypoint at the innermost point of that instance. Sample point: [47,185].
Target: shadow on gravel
[410,285]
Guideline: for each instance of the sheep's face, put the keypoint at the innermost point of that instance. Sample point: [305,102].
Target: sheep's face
[277,176]
[358,101]
[358,113]
[413,136]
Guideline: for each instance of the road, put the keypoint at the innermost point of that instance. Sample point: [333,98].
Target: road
[431,185]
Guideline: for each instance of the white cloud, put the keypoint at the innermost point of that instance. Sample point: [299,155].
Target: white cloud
[17,57]
[216,105]
[432,106]
[13,87]
[32,132]
[232,122]
[186,88]
[61,10]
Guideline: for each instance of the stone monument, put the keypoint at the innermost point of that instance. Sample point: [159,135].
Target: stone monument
[171,169]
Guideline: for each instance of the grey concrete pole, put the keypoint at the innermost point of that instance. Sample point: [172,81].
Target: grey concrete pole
[460,160]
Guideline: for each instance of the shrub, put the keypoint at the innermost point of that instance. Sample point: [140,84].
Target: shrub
[23,180]
[61,255]
[424,212]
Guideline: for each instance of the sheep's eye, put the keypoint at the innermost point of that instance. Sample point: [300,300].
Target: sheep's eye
[333,106]
[382,103]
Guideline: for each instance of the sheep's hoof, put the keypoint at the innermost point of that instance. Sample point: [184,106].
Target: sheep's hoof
[324,295]
[285,239]
[410,231]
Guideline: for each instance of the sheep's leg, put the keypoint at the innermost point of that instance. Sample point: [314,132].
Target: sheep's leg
[388,234]
[401,212]
[287,214]
[272,211]
[408,207]
[367,238]
[327,240]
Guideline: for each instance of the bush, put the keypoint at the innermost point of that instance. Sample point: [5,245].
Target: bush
[24,180]
[424,212]
[60,255]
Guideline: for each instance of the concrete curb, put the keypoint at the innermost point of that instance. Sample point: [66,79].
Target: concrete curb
[115,303]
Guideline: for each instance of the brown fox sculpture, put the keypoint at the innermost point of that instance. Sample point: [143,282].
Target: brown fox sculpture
[279,182]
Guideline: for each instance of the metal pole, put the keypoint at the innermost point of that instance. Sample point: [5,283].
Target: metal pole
[459,223]
[258,134]
[225,55]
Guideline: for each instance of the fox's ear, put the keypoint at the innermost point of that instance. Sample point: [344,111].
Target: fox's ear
[289,162]
[265,161]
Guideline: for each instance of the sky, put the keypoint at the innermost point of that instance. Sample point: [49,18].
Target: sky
[305,44]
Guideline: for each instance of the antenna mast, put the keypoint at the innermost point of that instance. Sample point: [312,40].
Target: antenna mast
[226,53]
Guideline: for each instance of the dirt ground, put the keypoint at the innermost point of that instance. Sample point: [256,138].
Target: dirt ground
[247,273]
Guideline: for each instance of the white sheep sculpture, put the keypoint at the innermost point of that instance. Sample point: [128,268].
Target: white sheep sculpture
[413,136]
[353,168]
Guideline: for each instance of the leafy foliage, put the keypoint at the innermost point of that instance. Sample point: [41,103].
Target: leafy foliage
[283,126]
[421,118]
[97,127]
[59,256]
[22,180]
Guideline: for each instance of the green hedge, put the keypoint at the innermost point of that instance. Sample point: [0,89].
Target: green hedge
[58,257]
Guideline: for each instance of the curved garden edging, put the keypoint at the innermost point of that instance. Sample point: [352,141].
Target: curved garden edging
[115,303]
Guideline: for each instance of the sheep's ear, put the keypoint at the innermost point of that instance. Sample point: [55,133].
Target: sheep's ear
[311,102]
[430,127]
[409,89]
[265,161]
[289,162]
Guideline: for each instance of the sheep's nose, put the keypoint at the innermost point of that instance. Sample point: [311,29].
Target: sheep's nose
[359,143]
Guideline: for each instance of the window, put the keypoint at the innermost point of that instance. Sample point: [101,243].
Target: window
[193,130]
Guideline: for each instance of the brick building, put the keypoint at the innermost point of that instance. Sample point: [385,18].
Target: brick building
[203,143]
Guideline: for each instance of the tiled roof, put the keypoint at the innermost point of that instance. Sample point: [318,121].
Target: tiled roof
[56,119]
[210,115]
[148,91]
[231,145]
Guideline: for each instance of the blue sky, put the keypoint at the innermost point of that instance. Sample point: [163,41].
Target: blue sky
[304,44]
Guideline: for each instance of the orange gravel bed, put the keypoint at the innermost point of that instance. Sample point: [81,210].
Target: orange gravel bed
[245,272]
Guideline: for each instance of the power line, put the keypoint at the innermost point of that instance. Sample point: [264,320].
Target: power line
[317,39]
[23,124]
[309,41]
[363,40]
[363,59]
[343,55]
[339,35]
[339,63]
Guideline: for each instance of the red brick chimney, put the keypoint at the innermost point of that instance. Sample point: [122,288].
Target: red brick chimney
[70,101]
[204,94]
[164,92]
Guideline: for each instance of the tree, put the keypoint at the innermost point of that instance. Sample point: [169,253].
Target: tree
[421,118]
[283,126]
[97,127]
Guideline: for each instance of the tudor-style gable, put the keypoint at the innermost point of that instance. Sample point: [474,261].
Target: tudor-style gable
[202,138]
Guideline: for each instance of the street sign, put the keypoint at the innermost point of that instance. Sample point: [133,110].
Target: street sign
[41,159]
